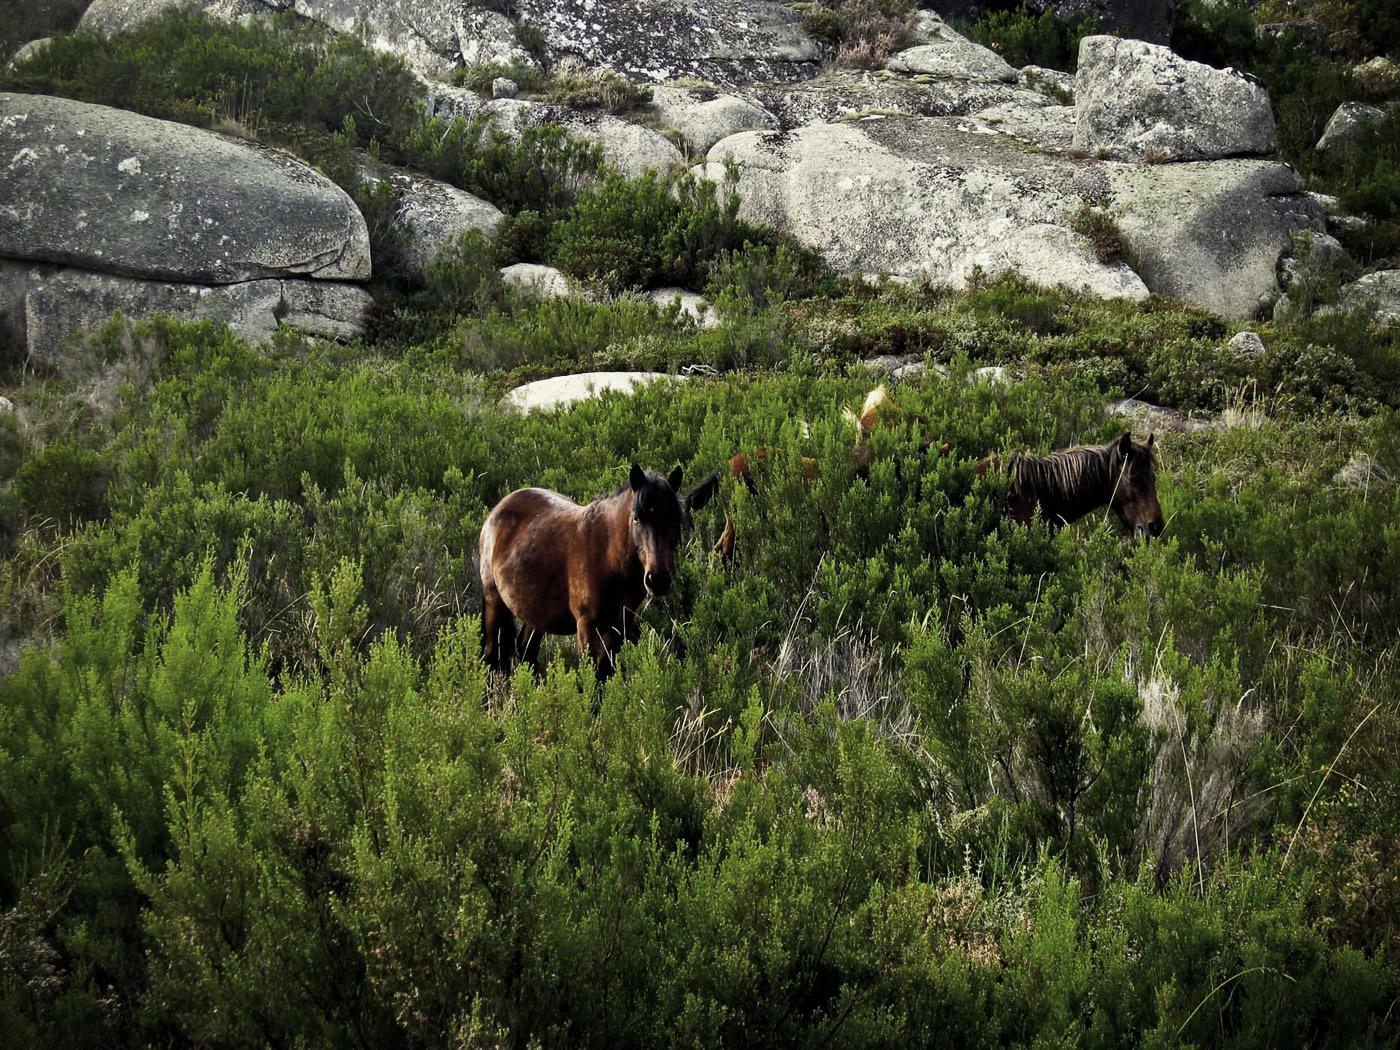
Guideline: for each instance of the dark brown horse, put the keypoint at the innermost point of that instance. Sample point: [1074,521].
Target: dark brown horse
[566,569]
[1069,484]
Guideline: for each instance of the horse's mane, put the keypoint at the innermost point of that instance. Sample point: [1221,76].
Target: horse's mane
[1068,483]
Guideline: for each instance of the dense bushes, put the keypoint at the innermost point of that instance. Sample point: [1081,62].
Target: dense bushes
[923,772]
[1026,37]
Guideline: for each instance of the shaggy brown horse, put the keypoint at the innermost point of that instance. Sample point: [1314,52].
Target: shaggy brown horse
[566,569]
[1069,484]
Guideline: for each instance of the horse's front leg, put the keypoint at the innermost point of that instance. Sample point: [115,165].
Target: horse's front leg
[593,641]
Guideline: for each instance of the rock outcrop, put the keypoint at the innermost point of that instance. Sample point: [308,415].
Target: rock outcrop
[904,196]
[945,52]
[1348,126]
[725,41]
[631,147]
[103,210]
[703,116]
[1210,233]
[432,214]
[44,305]
[1143,102]
[543,282]
[1377,294]
[116,192]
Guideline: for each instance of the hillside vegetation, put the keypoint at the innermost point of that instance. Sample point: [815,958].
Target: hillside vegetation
[902,774]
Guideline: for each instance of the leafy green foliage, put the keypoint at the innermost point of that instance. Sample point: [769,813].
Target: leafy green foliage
[647,232]
[1024,36]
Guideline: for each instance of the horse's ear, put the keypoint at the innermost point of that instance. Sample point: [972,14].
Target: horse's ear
[675,479]
[703,492]
[637,478]
[1125,443]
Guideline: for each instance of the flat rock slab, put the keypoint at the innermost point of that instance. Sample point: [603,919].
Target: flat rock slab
[46,305]
[844,94]
[1140,101]
[563,391]
[117,192]
[949,54]
[725,41]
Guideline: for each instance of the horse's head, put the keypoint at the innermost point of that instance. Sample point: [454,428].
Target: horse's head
[1135,486]
[660,516]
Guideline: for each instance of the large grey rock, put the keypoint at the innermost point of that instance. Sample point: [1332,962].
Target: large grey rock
[725,41]
[432,214]
[1247,343]
[844,94]
[1377,294]
[1348,126]
[117,192]
[950,54]
[904,196]
[122,16]
[940,196]
[566,391]
[29,50]
[1147,418]
[630,147]
[1315,258]
[45,305]
[1137,100]
[703,116]
[1379,74]
[1211,234]
[1054,84]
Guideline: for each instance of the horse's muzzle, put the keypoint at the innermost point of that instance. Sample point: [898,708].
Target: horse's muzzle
[657,583]
[1149,530]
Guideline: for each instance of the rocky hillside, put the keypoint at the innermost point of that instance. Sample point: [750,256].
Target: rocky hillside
[946,162]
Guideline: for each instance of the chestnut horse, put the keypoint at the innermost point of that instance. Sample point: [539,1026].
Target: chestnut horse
[878,409]
[566,569]
[1069,484]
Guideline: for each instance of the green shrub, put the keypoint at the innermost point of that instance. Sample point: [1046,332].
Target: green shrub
[1100,229]
[1026,37]
[647,232]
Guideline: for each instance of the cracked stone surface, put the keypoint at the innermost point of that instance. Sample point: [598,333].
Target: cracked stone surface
[45,305]
[116,192]
[1138,100]
[726,41]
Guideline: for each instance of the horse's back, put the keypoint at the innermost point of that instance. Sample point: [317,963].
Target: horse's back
[525,552]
